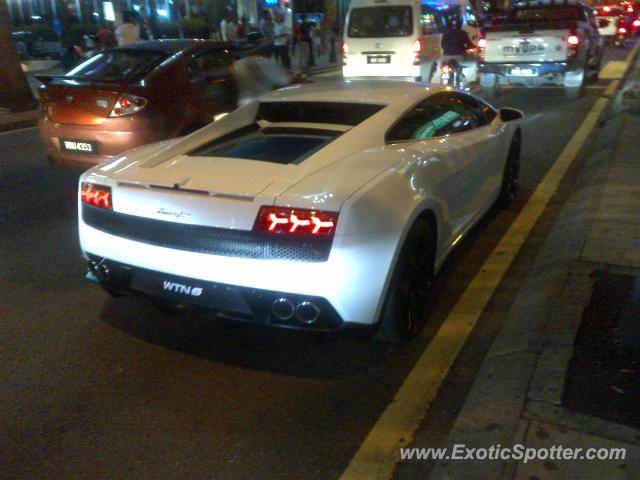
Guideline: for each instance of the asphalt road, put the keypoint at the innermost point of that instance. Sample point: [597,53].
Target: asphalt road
[96,387]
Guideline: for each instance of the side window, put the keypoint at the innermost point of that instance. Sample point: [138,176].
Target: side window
[440,115]
[206,62]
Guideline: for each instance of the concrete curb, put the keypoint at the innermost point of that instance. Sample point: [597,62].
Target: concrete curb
[14,121]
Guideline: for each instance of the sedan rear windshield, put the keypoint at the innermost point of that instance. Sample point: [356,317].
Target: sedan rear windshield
[120,64]
[378,22]
[545,14]
[271,144]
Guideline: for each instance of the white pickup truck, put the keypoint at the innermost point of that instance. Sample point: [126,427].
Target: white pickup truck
[540,43]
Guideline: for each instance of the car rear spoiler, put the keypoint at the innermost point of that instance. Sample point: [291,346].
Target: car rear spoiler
[530,27]
[46,79]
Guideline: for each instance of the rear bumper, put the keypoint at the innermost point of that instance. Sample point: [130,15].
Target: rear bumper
[395,72]
[111,137]
[228,301]
[352,280]
[544,68]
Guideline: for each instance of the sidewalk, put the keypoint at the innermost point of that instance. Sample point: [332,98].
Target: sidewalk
[520,393]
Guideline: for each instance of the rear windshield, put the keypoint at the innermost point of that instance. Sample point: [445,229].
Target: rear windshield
[121,64]
[277,145]
[338,113]
[378,22]
[545,14]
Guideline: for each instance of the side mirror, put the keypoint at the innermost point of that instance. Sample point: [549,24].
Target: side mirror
[510,115]
[603,22]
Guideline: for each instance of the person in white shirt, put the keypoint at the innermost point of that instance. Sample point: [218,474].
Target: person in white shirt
[127,32]
[281,42]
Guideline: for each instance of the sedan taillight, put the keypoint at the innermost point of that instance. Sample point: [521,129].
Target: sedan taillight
[127,104]
[296,221]
[96,195]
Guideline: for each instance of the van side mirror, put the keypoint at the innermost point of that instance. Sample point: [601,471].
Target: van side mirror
[510,114]
[602,22]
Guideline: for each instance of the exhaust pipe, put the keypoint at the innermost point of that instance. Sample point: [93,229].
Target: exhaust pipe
[307,312]
[283,309]
[100,270]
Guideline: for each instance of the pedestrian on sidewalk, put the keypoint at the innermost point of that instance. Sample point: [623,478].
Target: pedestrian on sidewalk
[128,32]
[280,42]
[266,25]
[305,41]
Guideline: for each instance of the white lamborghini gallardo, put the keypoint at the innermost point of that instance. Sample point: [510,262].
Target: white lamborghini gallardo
[321,206]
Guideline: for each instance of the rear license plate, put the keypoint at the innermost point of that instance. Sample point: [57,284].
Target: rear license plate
[188,290]
[523,72]
[79,146]
[379,59]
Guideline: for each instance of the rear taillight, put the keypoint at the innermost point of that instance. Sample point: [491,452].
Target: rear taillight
[573,40]
[282,220]
[636,23]
[417,48]
[622,30]
[482,44]
[127,104]
[606,9]
[345,51]
[96,195]
[629,9]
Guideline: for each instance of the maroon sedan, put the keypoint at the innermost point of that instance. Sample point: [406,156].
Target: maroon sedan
[132,95]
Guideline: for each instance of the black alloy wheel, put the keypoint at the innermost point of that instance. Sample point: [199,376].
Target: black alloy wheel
[408,301]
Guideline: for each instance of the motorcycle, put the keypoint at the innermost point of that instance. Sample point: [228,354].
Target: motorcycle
[623,33]
[451,74]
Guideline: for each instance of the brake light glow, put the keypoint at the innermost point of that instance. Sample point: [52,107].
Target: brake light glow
[96,195]
[345,48]
[573,40]
[417,47]
[127,104]
[482,43]
[636,23]
[606,8]
[629,9]
[282,220]
[622,30]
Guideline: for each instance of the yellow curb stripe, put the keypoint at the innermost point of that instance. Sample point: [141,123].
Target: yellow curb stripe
[377,456]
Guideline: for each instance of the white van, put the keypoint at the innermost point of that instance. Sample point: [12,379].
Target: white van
[399,39]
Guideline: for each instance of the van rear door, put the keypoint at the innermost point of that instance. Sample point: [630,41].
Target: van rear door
[380,40]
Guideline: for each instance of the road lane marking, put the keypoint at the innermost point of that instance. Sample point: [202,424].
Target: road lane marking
[379,453]
[17,130]
[613,70]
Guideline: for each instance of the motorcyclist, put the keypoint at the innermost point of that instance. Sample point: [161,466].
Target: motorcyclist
[456,44]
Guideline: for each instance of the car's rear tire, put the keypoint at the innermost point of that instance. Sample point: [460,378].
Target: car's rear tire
[408,300]
[510,177]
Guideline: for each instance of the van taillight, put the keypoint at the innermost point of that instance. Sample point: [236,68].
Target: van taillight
[573,40]
[96,195]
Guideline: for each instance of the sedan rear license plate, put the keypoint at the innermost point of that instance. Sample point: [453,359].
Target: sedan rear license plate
[523,72]
[79,146]
[379,59]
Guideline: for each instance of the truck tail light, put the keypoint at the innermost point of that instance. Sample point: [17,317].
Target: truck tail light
[96,195]
[482,45]
[345,51]
[295,221]
[573,40]
[127,104]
